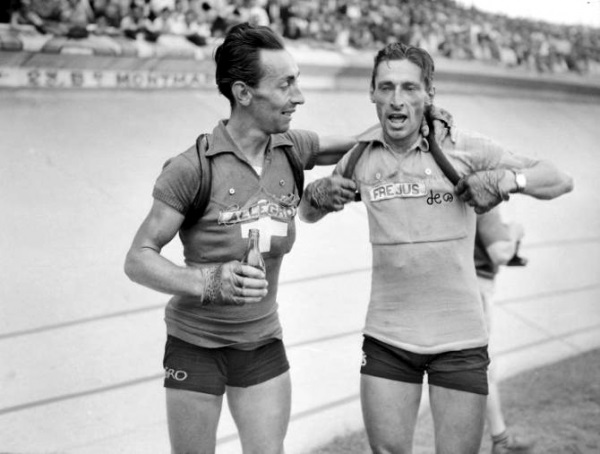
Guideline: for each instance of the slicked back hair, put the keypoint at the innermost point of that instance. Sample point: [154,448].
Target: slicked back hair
[238,57]
[400,51]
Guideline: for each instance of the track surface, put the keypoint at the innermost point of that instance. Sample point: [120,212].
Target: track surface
[81,346]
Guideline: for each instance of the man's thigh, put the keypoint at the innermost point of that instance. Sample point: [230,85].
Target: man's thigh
[461,370]
[458,419]
[262,413]
[390,410]
[192,419]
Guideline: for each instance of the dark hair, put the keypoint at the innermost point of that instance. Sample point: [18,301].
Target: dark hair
[238,57]
[400,51]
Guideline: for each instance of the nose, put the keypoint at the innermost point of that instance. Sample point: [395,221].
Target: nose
[397,100]
[297,96]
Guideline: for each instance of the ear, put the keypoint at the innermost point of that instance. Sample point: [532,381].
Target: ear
[241,93]
[372,95]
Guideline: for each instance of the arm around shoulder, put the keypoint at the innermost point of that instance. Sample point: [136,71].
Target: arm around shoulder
[332,148]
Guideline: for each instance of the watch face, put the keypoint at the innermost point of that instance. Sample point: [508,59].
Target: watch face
[521,181]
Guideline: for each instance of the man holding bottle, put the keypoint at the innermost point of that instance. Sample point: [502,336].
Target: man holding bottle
[223,329]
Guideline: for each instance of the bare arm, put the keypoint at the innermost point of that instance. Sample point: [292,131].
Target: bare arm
[332,148]
[144,263]
[544,180]
[485,189]
[230,283]
[500,252]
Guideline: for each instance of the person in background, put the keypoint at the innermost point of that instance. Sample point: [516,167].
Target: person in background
[77,17]
[496,245]
[166,23]
[425,313]
[108,18]
[45,15]
[6,9]
[138,24]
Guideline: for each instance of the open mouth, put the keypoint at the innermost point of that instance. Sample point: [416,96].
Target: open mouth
[397,119]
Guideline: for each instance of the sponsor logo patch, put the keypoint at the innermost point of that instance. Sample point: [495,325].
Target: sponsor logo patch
[178,375]
[262,208]
[388,191]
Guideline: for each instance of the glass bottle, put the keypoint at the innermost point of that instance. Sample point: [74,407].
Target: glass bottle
[252,256]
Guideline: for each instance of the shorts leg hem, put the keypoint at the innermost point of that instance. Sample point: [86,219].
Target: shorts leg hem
[258,380]
[212,391]
[388,377]
[465,389]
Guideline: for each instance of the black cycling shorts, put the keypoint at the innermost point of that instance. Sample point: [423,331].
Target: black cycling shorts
[210,370]
[463,370]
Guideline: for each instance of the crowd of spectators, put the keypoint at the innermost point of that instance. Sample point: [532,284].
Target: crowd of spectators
[443,27]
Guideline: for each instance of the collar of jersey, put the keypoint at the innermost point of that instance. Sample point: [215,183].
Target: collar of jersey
[375,134]
[221,141]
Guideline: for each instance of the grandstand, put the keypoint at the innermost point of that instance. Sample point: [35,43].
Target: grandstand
[184,32]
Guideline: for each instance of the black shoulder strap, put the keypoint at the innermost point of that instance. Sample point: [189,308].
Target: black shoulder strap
[297,168]
[355,155]
[203,195]
[437,153]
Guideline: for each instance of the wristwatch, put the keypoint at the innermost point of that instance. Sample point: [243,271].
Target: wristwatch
[521,181]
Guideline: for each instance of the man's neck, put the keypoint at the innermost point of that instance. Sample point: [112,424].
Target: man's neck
[251,141]
[403,146]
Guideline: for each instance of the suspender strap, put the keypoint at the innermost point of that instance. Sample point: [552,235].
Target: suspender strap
[355,155]
[203,194]
[437,153]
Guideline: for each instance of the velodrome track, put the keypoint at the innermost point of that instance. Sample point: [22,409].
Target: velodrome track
[81,346]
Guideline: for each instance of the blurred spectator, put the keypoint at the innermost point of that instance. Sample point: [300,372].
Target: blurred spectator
[165,22]
[253,12]
[196,31]
[107,17]
[158,6]
[45,15]
[78,14]
[442,27]
[137,24]
[5,11]
[182,22]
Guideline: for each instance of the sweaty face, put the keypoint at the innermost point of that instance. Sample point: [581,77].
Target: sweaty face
[399,96]
[278,94]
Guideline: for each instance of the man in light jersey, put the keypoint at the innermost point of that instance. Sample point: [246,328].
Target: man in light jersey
[425,313]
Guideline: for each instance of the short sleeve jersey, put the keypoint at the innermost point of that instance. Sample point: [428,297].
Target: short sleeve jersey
[424,293]
[240,199]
